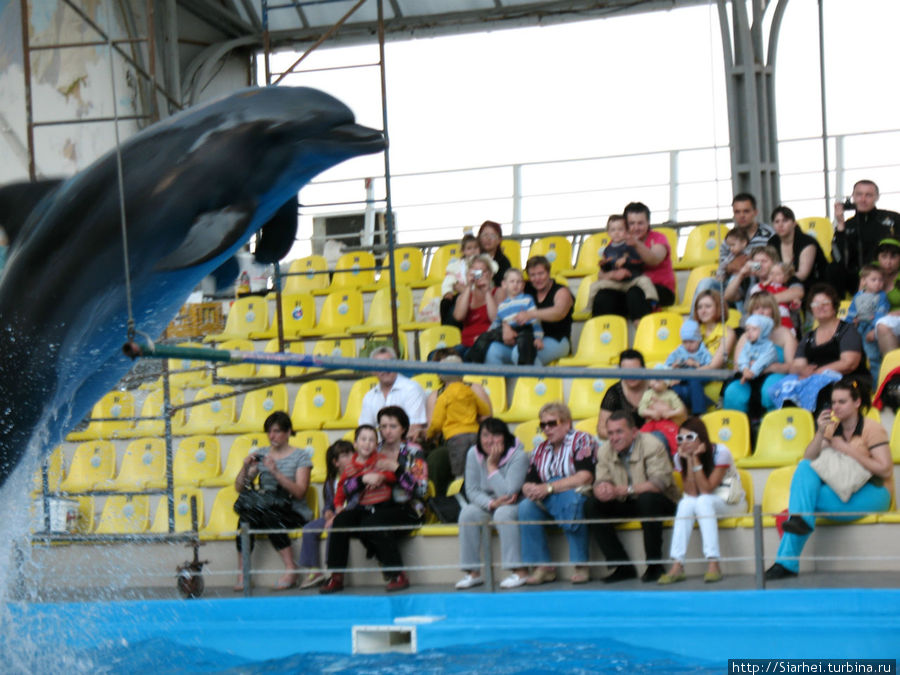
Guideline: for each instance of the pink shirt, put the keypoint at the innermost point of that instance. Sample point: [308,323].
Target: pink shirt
[661,274]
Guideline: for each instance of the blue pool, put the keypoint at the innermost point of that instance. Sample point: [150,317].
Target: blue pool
[574,631]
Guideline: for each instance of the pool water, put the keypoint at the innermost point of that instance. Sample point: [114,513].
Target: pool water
[528,632]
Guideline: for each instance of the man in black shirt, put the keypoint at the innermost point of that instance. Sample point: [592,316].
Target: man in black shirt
[856,238]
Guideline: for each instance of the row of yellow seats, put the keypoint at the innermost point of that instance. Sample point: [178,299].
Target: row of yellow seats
[357,269]
[197,461]
[130,514]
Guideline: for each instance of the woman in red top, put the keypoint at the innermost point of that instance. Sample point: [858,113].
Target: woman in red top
[476,305]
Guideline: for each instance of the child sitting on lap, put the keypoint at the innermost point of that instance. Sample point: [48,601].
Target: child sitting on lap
[663,411]
[529,334]
[759,351]
[868,305]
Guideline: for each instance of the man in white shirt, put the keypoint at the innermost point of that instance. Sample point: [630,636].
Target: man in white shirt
[395,389]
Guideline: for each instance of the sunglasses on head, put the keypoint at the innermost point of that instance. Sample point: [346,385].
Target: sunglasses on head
[687,437]
[549,424]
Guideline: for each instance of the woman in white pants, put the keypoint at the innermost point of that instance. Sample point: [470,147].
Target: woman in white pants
[712,488]
[495,472]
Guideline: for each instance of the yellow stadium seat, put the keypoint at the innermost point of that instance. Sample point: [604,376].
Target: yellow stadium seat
[353,270]
[556,249]
[223,521]
[208,418]
[821,230]
[588,425]
[421,320]
[602,339]
[890,361]
[196,458]
[409,267]
[317,442]
[438,337]
[495,386]
[115,404]
[657,336]
[238,371]
[530,434]
[258,405]
[92,463]
[353,405]
[782,438]
[747,484]
[589,255]
[513,250]
[305,275]
[317,402]
[671,235]
[895,440]
[437,269]
[586,394]
[529,395]
[455,486]
[242,446]
[153,407]
[697,274]
[249,314]
[874,413]
[341,310]
[143,467]
[731,428]
[581,309]
[334,347]
[183,522]
[380,320]
[298,315]
[185,373]
[428,381]
[55,472]
[775,498]
[125,515]
[702,246]
[273,371]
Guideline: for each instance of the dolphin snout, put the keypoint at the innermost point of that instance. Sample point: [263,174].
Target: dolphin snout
[363,139]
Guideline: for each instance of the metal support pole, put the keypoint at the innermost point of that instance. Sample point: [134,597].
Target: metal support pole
[167,426]
[45,493]
[838,168]
[488,553]
[824,109]
[279,315]
[517,199]
[245,557]
[673,187]
[389,210]
[266,44]
[29,109]
[758,547]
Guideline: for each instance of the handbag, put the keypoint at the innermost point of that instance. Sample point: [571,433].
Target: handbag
[730,490]
[447,509]
[840,472]
[252,504]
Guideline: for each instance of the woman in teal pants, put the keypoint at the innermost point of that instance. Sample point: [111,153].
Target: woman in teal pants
[844,428]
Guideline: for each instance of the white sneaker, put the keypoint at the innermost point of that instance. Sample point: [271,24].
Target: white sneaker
[513,581]
[468,581]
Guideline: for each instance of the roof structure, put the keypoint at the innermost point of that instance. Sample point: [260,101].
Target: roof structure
[296,21]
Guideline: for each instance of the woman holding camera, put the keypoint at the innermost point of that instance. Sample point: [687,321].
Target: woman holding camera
[283,473]
[476,305]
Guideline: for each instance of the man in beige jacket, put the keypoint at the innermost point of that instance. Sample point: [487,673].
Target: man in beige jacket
[633,480]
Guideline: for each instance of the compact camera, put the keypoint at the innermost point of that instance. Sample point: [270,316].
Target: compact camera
[476,274]
[755,266]
[849,205]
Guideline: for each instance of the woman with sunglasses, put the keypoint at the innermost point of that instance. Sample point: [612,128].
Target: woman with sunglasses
[562,467]
[703,468]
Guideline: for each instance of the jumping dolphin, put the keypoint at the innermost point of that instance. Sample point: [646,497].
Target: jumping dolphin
[196,187]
